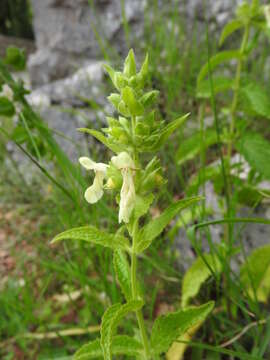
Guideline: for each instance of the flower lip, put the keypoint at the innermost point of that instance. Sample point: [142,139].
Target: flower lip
[89,164]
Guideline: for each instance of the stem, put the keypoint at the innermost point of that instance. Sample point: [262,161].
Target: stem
[237,88]
[134,289]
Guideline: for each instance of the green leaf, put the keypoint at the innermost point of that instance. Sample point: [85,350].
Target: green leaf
[130,64]
[122,270]
[110,321]
[142,204]
[129,98]
[229,29]
[16,58]
[121,345]
[155,227]
[258,99]
[99,136]
[167,131]
[220,83]
[168,328]
[191,147]
[196,275]
[256,151]
[149,98]
[255,273]
[6,107]
[218,59]
[93,235]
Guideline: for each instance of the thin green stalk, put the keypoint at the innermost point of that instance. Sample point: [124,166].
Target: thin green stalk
[237,89]
[134,290]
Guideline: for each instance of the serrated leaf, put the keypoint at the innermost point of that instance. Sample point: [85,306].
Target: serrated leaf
[110,321]
[258,98]
[99,136]
[6,107]
[229,29]
[255,273]
[95,236]
[168,328]
[256,151]
[122,270]
[196,275]
[191,147]
[220,83]
[121,345]
[154,228]
[218,59]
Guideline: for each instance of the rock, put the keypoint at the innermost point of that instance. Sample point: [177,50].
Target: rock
[64,105]
[66,34]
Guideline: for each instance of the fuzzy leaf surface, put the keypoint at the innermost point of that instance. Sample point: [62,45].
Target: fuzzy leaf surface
[256,151]
[258,98]
[122,270]
[168,328]
[95,236]
[110,321]
[155,227]
[121,345]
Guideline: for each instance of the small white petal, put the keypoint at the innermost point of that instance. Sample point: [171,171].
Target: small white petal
[95,191]
[92,165]
[123,160]
[87,163]
[7,92]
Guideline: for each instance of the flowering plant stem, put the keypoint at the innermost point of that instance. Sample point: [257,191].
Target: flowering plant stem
[139,314]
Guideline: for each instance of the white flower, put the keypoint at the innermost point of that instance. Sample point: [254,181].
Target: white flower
[124,163]
[267,14]
[95,191]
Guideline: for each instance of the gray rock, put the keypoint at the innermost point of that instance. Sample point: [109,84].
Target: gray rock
[67,34]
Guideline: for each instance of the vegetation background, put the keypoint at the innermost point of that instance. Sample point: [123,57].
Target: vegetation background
[52,298]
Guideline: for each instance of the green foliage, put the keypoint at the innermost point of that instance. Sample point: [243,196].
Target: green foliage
[255,272]
[229,29]
[258,98]
[155,227]
[95,236]
[197,274]
[16,58]
[6,107]
[168,328]
[121,344]
[220,84]
[191,147]
[110,321]
[256,151]
[216,60]
[122,270]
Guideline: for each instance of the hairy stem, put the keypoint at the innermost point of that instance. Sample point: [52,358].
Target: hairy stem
[134,289]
